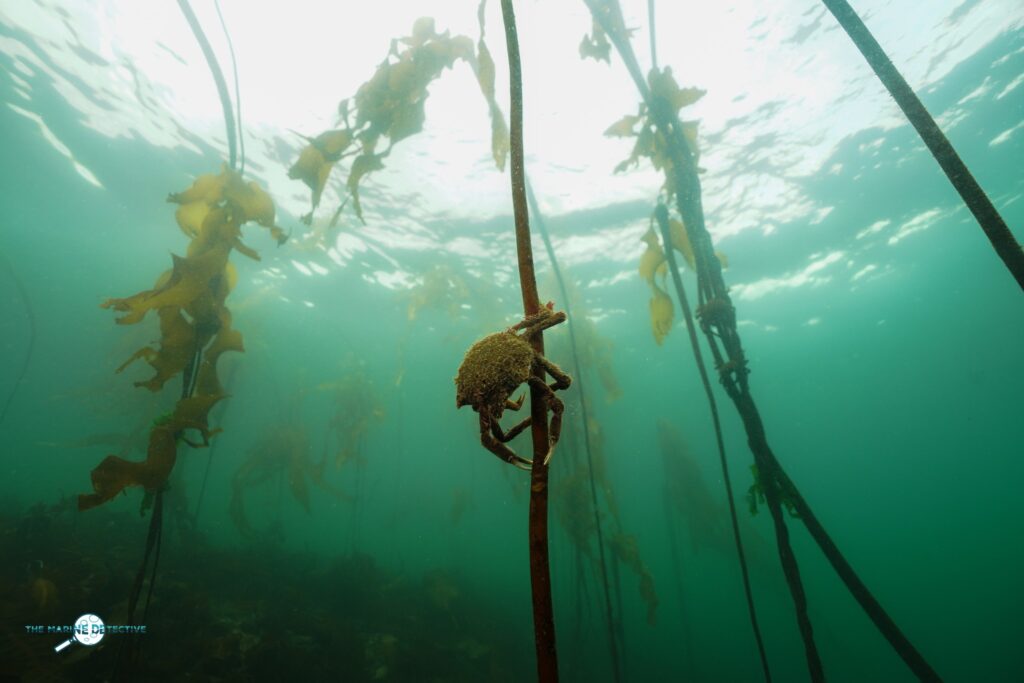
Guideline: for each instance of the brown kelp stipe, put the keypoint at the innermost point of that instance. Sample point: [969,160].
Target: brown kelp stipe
[540,570]
[218,77]
[211,214]
[613,646]
[959,175]
[661,216]
[717,318]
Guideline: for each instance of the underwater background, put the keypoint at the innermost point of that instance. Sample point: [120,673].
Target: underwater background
[347,524]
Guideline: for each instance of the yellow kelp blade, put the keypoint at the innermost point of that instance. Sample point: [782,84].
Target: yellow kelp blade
[190,278]
[595,45]
[190,217]
[663,85]
[363,164]
[312,169]
[115,474]
[206,188]
[176,349]
[681,241]
[652,257]
[661,314]
[623,128]
[499,130]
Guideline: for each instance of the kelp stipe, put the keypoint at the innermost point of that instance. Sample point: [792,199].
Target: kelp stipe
[657,262]
[218,76]
[613,644]
[661,216]
[718,323]
[540,570]
[195,327]
[988,217]
[390,106]
[195,324]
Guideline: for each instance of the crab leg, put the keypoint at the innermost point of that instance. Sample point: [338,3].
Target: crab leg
[556,407]
[515,405]
[512,433]
[541,320]
[562,380]
[498,448]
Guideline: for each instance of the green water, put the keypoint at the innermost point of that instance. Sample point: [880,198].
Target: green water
[885,362]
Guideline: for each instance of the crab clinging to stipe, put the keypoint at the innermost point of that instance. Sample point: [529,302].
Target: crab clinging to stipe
[495,367]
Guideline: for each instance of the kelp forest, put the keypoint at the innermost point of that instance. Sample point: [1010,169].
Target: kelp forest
[454,468]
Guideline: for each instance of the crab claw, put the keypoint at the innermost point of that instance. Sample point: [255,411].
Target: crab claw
[523,464]
[547,458]
[516,404]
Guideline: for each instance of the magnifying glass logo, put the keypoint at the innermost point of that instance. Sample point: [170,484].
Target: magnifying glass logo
[88,632]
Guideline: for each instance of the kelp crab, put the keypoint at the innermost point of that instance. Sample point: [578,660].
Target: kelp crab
[493,369]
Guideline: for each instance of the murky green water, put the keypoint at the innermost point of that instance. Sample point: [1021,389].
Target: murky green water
[346,523]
